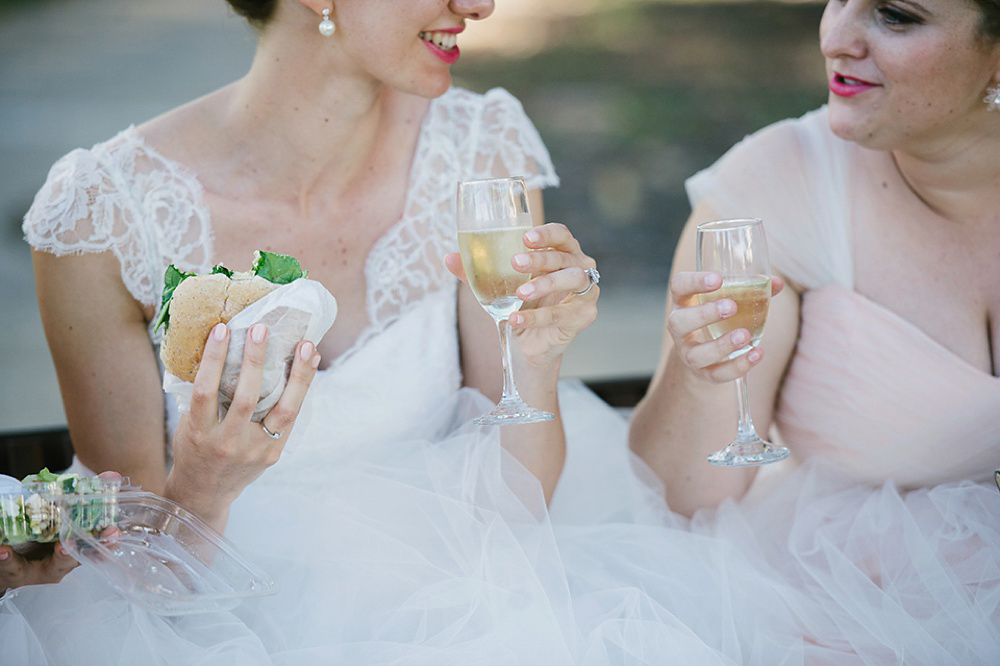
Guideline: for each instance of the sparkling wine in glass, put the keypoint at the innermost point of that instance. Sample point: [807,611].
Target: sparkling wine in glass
[737,250]
[492,218]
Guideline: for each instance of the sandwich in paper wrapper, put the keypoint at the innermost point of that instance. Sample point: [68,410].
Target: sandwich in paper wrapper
[276,292]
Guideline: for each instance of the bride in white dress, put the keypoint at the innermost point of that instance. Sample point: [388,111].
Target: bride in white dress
[397,531]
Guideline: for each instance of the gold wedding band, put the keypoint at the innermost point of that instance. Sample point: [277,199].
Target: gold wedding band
[272,435]
[594,276]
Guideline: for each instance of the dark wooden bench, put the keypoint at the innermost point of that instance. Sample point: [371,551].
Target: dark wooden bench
[24,452]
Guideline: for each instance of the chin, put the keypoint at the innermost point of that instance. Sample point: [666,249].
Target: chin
[428,87]
[849,127]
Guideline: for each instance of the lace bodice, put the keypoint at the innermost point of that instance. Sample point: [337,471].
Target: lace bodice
[125,197]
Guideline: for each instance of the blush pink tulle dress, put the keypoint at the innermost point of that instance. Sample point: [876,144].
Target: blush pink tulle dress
[886,521]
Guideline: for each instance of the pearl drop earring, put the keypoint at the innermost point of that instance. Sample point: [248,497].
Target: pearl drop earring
[326,26]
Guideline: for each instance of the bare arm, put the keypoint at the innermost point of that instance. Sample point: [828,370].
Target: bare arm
[542,330]
[107,369]
[690,409]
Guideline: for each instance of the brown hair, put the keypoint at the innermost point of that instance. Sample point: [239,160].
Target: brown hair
[259,12]
[989,19]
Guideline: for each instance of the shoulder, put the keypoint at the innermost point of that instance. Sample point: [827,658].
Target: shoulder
[496,136]
[799,152]
[77,186]
[495,100]
[466,113]
[808,136]
[122,197]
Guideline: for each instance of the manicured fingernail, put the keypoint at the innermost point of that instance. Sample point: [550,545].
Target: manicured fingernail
[516,319]
[753,356]
[257,332]
[726,308]
[532,236]
[739,338]
[712,281]
[306,351]
[521,260]
[219,332]
[526,290]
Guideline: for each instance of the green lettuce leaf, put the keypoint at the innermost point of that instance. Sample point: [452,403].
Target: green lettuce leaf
[171,278]
[277,268]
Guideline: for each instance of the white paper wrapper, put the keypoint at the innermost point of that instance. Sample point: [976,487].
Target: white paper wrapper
[301,310]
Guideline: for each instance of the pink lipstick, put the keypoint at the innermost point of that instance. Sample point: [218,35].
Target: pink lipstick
[442,43]
[848,86]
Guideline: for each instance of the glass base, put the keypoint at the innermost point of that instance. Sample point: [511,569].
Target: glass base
[510,412]
[748,453]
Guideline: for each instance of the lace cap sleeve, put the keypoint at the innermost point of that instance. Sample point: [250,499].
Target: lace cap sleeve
[75,210]
[120,197]
[792,176]
[505,142]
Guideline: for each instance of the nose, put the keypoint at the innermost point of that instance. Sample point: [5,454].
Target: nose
[476,10]
[841,31]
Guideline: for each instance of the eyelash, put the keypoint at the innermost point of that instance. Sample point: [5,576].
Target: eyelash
[894,17]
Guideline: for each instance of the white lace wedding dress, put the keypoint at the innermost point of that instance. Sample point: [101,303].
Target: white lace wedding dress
[399,533]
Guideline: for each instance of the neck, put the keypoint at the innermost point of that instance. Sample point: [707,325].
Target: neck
[961,181]
[315,127]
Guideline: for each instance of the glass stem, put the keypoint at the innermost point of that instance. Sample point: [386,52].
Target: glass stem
[746,431]
[509,388]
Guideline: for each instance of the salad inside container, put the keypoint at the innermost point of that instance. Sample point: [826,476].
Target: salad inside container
[152,550]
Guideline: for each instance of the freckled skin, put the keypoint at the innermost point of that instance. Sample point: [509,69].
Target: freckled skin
[912,104]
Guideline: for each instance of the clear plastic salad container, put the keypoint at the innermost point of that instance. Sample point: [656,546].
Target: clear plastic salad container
[152,550]
[34,512]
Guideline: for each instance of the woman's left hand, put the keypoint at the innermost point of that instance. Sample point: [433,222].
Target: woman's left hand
[555,308]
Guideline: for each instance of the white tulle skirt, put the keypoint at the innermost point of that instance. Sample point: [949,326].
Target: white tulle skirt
[443,552]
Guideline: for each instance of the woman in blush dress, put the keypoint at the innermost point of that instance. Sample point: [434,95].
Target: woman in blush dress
[880,364]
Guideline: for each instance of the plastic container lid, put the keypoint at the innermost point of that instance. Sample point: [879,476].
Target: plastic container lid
[161,556]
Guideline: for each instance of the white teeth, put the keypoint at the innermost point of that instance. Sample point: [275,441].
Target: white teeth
[443,40]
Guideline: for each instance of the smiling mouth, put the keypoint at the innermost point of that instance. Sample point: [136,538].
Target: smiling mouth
[445,41]
[848,81]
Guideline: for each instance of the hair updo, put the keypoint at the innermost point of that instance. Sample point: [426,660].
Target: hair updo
[989,19]
[257,12]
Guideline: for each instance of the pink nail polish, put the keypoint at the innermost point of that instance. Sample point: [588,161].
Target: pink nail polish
[532,236]
[753,356]
[521,260]
[257,332]
[219,332]
[306,351]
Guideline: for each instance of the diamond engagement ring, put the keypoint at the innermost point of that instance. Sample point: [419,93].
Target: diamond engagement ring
[272,435]
[594,276]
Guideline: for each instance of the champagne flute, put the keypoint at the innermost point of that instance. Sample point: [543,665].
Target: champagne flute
[492,218]
[737,250]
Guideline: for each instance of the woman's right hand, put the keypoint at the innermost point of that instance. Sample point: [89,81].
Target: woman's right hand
[214,460]
[708,358]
